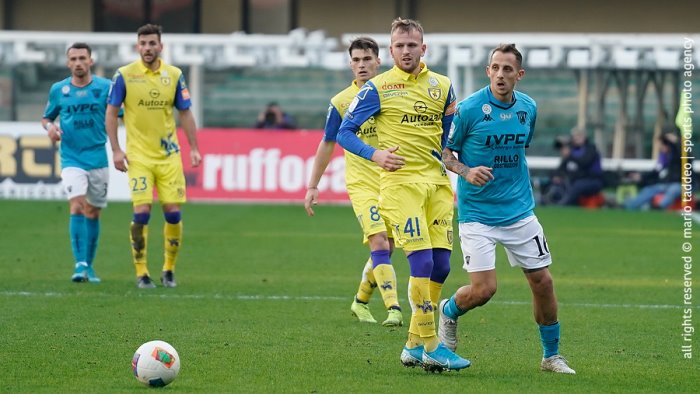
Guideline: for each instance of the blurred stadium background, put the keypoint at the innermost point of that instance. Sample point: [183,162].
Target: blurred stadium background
[611,69]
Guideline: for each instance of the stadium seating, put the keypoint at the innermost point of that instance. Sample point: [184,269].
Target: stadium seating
[239,73]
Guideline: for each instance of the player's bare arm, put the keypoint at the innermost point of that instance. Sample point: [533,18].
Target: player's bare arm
[112,126]
[188,124]
[388,160]
[323,157]
[477,176]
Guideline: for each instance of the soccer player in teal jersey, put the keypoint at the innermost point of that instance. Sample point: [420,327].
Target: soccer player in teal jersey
[149,89]
[413,109]
[362,181]
[490,132]
[80,102]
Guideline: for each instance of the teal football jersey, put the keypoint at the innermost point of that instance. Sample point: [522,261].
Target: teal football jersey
[82,119]
[487,132]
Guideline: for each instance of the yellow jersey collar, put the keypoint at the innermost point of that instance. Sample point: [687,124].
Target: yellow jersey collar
[147,70]
[407,76]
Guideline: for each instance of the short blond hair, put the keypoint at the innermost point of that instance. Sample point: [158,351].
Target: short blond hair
[406,25]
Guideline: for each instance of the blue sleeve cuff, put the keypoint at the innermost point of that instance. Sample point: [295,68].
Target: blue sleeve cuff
[352,143]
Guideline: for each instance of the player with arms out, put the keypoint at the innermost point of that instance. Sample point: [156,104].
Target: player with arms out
[413,109]
[362,180]
[80,102]
[149,89]
[491,130]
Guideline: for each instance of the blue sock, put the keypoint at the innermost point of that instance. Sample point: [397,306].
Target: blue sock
[142,218]
[441,265]
[451,309]
[92,235]
[78,236]
[420,263]
[380,257]
[173,217]
[549,335]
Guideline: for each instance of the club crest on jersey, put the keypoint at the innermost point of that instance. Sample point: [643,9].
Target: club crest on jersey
[435,93]
[486,109]
[65,90]
[522,117]
[96,93]
[165,80]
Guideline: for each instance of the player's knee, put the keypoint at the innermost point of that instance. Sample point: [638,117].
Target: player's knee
[542,282]
[379,242]
[91,211]
[441,265]
[483,294]
[77,206]
[173,217]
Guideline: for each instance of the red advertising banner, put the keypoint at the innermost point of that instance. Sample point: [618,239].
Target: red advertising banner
[259,165]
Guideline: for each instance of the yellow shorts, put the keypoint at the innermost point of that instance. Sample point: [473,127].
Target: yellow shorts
[365,204]
[419,214]
[167,177]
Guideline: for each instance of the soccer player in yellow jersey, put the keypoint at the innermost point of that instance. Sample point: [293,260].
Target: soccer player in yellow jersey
[413,109]
[362,180]
[149,89]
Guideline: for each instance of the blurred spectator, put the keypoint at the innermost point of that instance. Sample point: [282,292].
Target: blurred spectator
[580,173]
[664,179]
[274,118]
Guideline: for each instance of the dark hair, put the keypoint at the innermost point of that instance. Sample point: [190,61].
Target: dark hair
[149,29]
[364,43]
[80,45]
[508,48]
[406,25]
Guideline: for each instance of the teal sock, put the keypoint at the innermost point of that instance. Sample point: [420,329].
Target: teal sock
[92,235]
[549,335]
[451,309]
[78,237]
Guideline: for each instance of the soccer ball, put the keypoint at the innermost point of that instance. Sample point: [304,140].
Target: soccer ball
[156,363]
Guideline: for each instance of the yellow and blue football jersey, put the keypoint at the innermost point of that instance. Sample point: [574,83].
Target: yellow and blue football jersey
[412,112]
[148,98]
[357,169]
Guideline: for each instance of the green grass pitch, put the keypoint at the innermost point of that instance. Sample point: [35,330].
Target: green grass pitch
[263,306]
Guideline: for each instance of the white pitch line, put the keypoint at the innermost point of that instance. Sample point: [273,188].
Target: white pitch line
[696,217]
[253,297]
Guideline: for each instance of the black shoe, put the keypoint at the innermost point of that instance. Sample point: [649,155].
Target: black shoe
[167,278]
[145,282]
